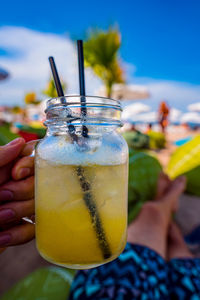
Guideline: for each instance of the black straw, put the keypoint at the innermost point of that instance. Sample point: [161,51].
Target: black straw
[81,67]
[82,82]
[56,77]
[85,186]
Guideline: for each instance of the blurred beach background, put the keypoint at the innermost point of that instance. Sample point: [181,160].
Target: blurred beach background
[143,53]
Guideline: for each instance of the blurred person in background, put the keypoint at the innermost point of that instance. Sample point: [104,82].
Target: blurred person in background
[163,115]
[149,128]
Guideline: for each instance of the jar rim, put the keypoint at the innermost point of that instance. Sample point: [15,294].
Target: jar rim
[92,110]
[100,101]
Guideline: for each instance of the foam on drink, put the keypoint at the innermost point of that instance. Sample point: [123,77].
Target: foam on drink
[65,233]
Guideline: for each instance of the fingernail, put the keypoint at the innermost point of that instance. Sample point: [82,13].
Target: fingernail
[5,239]
[7,215]
[14,142]
[24,172]
[6,195]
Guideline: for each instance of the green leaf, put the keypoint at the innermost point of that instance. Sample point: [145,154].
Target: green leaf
[51,91]
[157,140]
[44,284]
[39,131]
[193,179]
[185,158]
[136,139]
[144,170]
[6,135]
[186,161]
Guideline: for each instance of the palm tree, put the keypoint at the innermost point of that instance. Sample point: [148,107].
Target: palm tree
[101,54]
[50,90]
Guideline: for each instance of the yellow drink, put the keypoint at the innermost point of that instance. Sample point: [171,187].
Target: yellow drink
[64,230]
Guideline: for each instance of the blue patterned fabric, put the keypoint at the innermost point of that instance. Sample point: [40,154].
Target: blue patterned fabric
[139,273]
[185,279]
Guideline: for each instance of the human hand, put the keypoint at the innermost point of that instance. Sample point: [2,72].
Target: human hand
[16,193]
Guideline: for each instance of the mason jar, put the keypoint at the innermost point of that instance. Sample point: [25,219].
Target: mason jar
[81,183]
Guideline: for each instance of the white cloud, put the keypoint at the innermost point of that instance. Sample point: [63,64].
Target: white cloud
[192,117]
[194,107]
[29,68]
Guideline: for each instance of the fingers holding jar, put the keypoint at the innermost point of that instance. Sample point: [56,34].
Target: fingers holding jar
[13,229]
[19,234]
[15,211]
[17,190]
[23,168]
[16,199]
[8,156]
[29,148]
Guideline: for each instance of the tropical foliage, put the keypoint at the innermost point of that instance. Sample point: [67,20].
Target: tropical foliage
[46,284]
[144,170]
[31,98]
[101,54]
[50,90]
[6,135]
[157,140]
[136,140]
[17,110]
[186,161]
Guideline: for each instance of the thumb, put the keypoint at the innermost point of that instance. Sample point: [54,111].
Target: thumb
[10,151]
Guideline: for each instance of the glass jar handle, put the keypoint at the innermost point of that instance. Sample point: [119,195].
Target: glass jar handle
[29,150]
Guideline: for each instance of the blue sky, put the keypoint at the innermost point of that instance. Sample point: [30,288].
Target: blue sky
[160,39]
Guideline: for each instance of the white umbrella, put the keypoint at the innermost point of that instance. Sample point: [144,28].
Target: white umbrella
[175,115]
[130,111]
[194,107]
[126,92]
[191,117]
[150,117]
